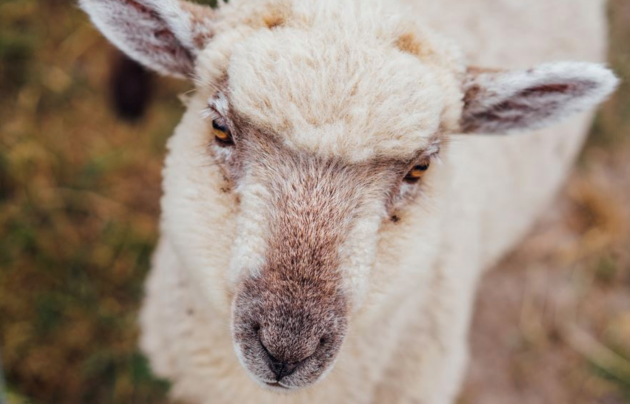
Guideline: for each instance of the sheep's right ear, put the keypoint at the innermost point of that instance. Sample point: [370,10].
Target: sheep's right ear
[163,35]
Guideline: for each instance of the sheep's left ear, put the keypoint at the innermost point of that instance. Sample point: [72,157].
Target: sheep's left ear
[499,102]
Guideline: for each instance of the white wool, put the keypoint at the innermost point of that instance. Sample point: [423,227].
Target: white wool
[414,283]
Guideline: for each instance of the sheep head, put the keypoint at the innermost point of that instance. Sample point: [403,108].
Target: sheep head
[314,128]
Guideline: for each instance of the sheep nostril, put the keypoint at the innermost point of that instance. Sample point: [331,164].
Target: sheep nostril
[323,341]
[256,328]
[282,369]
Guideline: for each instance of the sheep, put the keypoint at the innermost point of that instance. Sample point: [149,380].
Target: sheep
[340,182]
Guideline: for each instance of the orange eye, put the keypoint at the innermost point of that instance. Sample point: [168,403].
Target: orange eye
[416,173]
[222,134]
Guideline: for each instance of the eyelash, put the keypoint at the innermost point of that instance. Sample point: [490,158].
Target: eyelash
[208,113]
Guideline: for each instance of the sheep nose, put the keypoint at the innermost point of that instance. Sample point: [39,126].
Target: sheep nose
[281,367]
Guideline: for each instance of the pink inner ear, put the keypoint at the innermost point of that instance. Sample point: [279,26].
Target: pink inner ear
[494,103]
[577,88]
[138,6]
[546,89]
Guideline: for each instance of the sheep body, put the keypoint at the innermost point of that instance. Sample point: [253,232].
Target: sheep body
[407,345]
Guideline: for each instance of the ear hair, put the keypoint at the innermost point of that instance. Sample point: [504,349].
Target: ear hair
[163,35]
[499,102]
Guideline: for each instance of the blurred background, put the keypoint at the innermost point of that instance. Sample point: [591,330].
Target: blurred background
[82,139]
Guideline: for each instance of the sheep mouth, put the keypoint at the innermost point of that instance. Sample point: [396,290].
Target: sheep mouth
[258,368]
[279,373]
[277,386]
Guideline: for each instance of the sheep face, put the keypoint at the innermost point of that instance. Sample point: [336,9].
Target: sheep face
[297,164]
[315,127]
[308,233]
[315,172]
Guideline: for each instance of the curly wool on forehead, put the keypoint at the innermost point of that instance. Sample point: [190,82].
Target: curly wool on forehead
[337,78]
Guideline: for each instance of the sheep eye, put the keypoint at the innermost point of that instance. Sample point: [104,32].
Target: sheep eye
[222,134]
[416,173]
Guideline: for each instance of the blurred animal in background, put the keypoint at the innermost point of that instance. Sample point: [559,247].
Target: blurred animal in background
[330,199]
[131,88]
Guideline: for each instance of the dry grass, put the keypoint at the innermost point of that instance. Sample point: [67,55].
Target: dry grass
[79,196]
[553,320]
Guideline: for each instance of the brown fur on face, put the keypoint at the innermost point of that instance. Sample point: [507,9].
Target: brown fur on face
[274,19]
[408,42]
[294,309]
